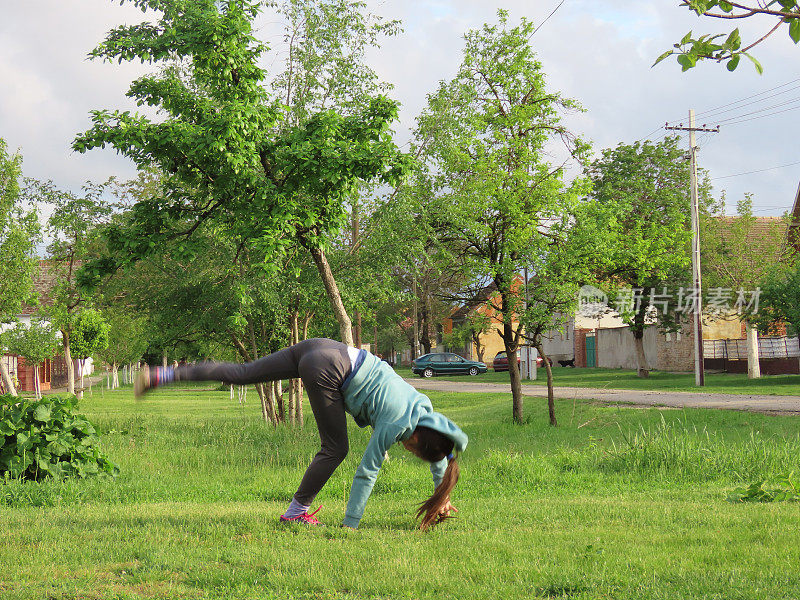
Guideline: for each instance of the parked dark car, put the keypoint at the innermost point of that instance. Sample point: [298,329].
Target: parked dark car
[446,363]
[500,362]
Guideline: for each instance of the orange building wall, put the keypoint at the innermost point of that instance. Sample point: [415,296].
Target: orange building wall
[25,374]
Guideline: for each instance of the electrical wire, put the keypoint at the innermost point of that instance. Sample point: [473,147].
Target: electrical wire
[742,104]
[743,101]
[760,110]
[547,19]
[777,112]
[757,171]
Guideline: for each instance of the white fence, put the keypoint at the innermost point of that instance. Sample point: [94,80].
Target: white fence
[780,347]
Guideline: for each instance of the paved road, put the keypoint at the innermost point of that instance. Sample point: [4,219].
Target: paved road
[784,405]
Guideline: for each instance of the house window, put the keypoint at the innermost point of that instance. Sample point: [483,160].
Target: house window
[668,336]
[439,333]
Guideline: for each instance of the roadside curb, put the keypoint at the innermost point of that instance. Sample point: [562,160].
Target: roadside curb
[773,405]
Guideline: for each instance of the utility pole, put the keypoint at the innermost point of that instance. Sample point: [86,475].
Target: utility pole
[415,346]
[357,315]
[699,373]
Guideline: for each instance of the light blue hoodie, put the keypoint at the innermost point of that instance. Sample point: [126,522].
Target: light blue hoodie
[376,395]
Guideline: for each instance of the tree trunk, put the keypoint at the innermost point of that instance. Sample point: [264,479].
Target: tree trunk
[642,368]
[294,328]
[69,363]
[298,407]
[164,360]
[637,329]
[551,399]
[516,385]
[281,408]
[357,337]
[753,366]
[415,346]
[480,349]
[334,297]
[425,335]
[114,376]
[8,384]
[267,403]
[81,362]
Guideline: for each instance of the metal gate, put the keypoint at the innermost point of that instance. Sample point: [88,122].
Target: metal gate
[591,350]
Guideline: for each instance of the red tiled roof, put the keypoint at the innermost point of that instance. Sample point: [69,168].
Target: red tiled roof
[44,281]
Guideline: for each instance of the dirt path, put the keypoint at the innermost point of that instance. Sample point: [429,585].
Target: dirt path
[780,405]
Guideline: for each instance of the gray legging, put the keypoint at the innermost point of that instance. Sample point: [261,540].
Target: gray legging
[323,365]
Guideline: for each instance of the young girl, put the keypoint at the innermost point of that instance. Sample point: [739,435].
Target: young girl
[340,379]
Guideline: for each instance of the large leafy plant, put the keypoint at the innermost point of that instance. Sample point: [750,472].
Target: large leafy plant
[45,438]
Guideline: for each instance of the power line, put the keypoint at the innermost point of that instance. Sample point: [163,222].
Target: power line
[742,100]
[777,112]
[760,110]
[714,113]
[547,19]
[757,171]
[738,104]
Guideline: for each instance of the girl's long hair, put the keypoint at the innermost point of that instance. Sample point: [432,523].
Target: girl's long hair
[433,447]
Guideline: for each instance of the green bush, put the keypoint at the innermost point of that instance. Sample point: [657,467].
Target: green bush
[45,438]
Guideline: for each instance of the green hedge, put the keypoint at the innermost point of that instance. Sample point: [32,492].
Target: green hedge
[45,438]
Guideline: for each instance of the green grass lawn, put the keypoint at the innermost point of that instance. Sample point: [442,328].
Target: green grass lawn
[625,379]
[616,503]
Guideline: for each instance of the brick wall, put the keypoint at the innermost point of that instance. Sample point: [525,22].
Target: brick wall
[675,351]
[580,347]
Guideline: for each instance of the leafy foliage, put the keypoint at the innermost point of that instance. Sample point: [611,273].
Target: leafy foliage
[19,232]
[488,137]
[218,143]
[780,297]
[729,48]
[45,438]
[35,343]
[641,228]
[90,334]
[234,159]
[785,488]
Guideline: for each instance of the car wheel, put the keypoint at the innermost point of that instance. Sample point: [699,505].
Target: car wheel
[427,373]
[473,371]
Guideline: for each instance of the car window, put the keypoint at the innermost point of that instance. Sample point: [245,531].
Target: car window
[454,358]
[500,355]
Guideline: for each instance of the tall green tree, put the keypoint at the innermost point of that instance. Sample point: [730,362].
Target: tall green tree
[74,229]
[19,233]
[729,48]
[738,253]
[228,160]
[488,135]
[780,297]
[35,343]
[641,222]
[90,335]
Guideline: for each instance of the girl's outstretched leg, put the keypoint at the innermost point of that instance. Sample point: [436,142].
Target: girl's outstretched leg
[273,367]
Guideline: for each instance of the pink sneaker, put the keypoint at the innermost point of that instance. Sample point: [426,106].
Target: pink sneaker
[305,518]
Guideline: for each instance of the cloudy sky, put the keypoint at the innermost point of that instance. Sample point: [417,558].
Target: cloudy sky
[599,52]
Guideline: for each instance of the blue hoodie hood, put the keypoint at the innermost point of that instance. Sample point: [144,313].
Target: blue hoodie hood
[443,425]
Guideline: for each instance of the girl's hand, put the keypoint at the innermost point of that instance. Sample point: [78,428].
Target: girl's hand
[447,509]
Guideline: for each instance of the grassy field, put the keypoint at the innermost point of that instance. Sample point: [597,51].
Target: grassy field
[613,504]
[716,383]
